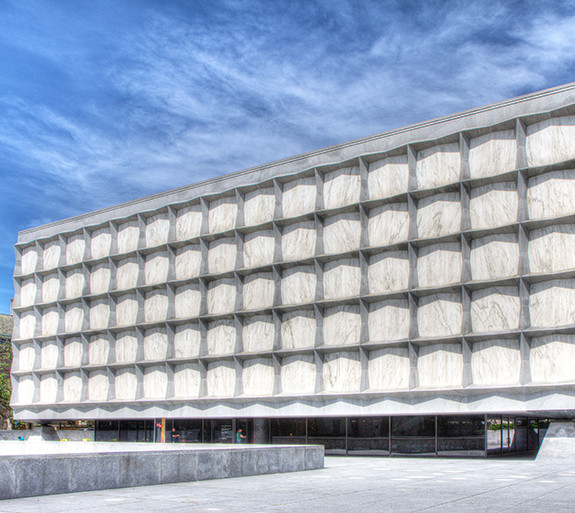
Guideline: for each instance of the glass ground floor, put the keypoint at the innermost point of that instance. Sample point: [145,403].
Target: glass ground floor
[424,435]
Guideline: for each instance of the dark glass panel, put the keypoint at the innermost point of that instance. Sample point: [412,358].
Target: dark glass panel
[329,432]
[413,426]
[106,431]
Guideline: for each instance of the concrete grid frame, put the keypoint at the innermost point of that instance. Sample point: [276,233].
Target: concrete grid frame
[428,269]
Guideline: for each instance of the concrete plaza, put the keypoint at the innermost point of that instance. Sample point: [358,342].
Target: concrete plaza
[351,485]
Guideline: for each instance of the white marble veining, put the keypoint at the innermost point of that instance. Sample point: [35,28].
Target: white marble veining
[26,356]
[156,268]
[50,288]
[258,291]
[100,243]
[100,279]
[341,325]
[495,309]
[189,222]
[155,344]
[72,387]
[388,320]
[258,333]
[221,296]
[27,324]
[126,310]
[25,390]
[188,262]
[259,248]
[51,254]
[298,241]
[299,197]
[439,264]
[388,272]
[259,206]
[74,317]
[440,365]
[298,329]
[551,359]
[187,301]
[99,314]
[221,337]
[494,257]
[222,255]
[156,306]
[439,315]
[438,215]
[74,284]
[157,230]
[341,232]
[341,187]
[127,273]
[493,205]
[29,260]
[187,339]
[28,292]
[552,303]
[48,389]
[298,375]
[298,285]
[438,165]
[49,353]
[126,384]
[221,379]
[342,372]
[551,194]
[75,248]
[126,347]
[551,249]
[128,236]
[496,362]
[98,386]
[551,140]
[73,351]
[222,214]
[187,380]
[155,382]
[388,224]
[389,368]
[98,350]
[492,154]
[388,177]
[341,278]
[258,376]
[50,319]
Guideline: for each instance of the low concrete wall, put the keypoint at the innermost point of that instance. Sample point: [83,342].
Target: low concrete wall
[29,469]
[558,444]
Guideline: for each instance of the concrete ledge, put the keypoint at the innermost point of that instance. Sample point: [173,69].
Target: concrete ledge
[29,469]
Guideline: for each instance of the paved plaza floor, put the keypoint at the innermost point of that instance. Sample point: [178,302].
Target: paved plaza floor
[394,485]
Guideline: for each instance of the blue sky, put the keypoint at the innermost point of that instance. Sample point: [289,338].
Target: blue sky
[105,101]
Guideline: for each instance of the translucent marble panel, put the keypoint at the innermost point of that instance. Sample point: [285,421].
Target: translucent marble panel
[156,306]
[495,309]
[128,236]
[25,390]
[155,344]
[438,165]
[187,301]
[258,377]
[222,296]
[388,272]
[341,233]
[298,375]
[494,256]
[98,386]
[187,380]
[100,243]
[341,278]
[99,314]
[74,317]
[342,372]
[493,205]
[74,283]
[298,329]
[222,255]
[26,356]
[389,369]
[187,340]
[298,241]
[222,215]
[155,382]
[551,140]
[157,230]
[75,248]
[551,195]
[496,362]
[259,248]
[98,350]
[73,352]
[439,264]
[341,325]
[189,222]
[50,288]
[27,292]
[341,187]
[127,273]
[552,358]
[50,319]
[126,384]
[298,285]
[388,177]
[388,320]
[440,365]
[388,224]
[48,389]
[27,325]
[258,333]
[221,337]
[49,353]
[492,154]
[258,291]
[126,310]
[126,347]
[439,315]
[51,254]
[221,379]
[188,262]
[299,197]
[29,260]
[552,303]
[259,206]
[72,387]
[100,279]
[551,249]
[156,267]
[438,215]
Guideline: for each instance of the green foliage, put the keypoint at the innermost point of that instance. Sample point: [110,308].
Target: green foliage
[5,364]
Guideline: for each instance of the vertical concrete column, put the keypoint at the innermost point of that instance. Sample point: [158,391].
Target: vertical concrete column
[278,257]
[319,314]
[364,360]
[84,395]
[61,287]
[61,318]
[113,238]
[38,326]
[413,372]
[319,244]
[278,192]
[18,261]
[364,183]
[239,387]
[238,323]
[364,269]
[140,344]
[140,382]
[239,302]
[318,357]
[203,378]
[87,236]
[364,226]
[277,274]
[112,348]
[113,302]
[240,198]
[364,316]
[467,369]
[170,390]
[277,374]
[111,375]
[62,244]
[239,239]
[319,203]
[464,156]
[171,295]
[171,263]
[261,431]
[203,325]
[205,206]
[319,288]
[276,316]
[171,349]
[172,216]
[521,139]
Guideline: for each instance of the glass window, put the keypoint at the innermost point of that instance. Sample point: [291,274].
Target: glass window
[329,432]
[288,431]
[368,436]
